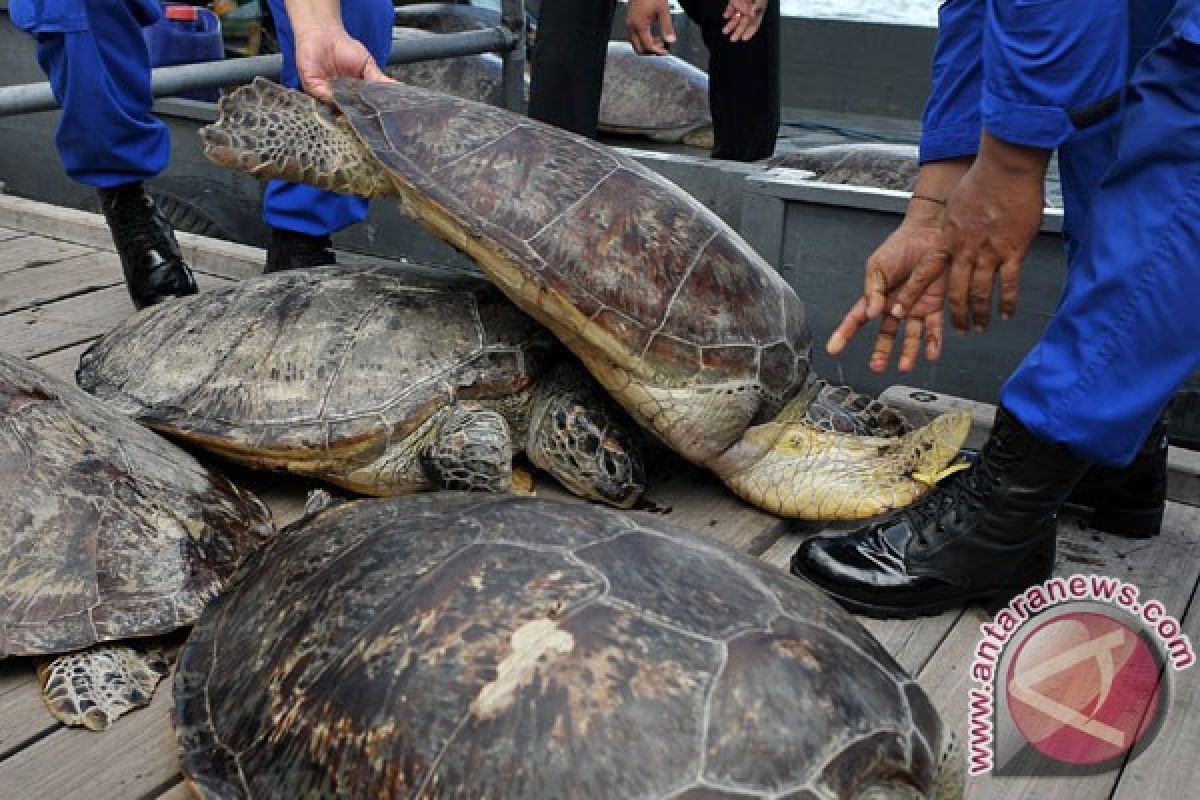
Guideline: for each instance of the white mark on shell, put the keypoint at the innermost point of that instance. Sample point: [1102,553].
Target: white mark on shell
[529,643]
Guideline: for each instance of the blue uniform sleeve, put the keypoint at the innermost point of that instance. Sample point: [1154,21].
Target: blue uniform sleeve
[952,124]
[1046,61]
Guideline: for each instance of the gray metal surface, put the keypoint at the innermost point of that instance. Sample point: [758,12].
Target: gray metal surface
[27,98]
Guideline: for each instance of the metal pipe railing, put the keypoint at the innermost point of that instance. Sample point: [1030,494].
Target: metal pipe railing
[512,18]
[510,42]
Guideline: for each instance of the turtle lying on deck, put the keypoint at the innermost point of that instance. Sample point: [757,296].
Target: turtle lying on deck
[107,532]
[472,646]
[380,381]
[694,333]
[885,166]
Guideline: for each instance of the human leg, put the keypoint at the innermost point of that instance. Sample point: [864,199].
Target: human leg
[303,217]
[568,63]
[108,138]
[743,83]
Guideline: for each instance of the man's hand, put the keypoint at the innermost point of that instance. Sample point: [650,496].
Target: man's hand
[743,18]
[639,21]
[324,50]
[889,267]
[990,220]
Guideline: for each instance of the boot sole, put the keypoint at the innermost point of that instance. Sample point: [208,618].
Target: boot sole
[992,600]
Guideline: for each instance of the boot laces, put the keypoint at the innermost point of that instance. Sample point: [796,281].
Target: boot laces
[962,492]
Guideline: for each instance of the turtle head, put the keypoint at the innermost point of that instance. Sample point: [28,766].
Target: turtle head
[268,131]
[585,440]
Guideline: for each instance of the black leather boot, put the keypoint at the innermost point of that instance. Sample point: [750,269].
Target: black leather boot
[293,250]
[1127,501]
[985,534]
[150,258]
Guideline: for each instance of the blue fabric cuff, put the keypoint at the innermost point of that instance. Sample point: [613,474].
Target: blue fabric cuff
[1033,126]
[952,141]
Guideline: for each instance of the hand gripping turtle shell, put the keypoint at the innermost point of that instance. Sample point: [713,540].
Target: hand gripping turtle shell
[692,331]
[379,381]
[469,646]
[108,532]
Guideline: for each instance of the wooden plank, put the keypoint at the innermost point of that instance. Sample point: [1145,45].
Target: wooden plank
[34,251]
[63,363]
[52,327]
[179,791]
[24,715]
[135,758]
[1164,568]
[38,285]
[1169,767]
[911,642]
[695,499]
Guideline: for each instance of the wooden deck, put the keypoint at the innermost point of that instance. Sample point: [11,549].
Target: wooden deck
[60,287]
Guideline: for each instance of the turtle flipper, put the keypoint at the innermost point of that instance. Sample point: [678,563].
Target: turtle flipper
[272,132]
[92,687]
[472,452]
[795,470]
[840,409]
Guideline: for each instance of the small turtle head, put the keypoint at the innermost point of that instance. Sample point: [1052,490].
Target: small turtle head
[585,441]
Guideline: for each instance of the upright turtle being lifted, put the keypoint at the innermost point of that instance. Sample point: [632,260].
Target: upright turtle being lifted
[696,336]
[661,97]
[462,646]
[380,381]
[108,532]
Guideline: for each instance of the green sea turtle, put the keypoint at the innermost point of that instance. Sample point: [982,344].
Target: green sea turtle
[885,166]
[477,77]
[458,18]
[108,532]
[692,331]
[379,380]
[661,97]
[470,646]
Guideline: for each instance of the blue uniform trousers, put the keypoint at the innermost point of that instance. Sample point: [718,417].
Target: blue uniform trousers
[305,209]
[96,60]
[1125,334]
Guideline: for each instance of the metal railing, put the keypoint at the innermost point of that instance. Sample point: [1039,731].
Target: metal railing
[507,39]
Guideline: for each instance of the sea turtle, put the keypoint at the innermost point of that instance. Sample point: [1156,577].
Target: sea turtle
[477,77]
[661,97]
[108,532]
[377,380]
[690,329]
[452,645]
[885,166]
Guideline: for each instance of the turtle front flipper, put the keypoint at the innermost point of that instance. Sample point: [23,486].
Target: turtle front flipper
[472,452]
[840,409]
[91,688]
[272,132]
[795,470]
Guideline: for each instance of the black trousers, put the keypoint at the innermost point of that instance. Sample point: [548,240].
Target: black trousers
[743,80]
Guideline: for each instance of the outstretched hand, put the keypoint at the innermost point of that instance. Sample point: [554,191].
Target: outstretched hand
[990,220]
[639,21]
[889,268]
[323,53]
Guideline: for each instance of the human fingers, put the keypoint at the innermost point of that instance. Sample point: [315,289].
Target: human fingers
[855,318]
[934,323]
[885,342]
[911,345]
[931,267]
[875,286]
[979,292]
[958,285]
[1010,286]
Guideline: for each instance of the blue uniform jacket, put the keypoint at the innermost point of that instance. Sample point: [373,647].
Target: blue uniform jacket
[1022,70]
